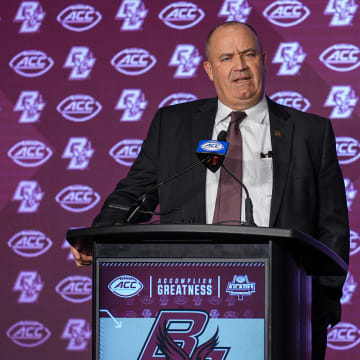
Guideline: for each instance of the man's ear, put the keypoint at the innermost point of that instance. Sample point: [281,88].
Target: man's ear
[208,69]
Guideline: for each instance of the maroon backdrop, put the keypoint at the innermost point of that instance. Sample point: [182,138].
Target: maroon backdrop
[80,83]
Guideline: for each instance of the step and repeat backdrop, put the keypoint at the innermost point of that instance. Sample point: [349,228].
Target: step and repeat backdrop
[80,83]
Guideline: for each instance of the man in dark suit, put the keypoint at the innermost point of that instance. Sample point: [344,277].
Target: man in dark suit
[305,190]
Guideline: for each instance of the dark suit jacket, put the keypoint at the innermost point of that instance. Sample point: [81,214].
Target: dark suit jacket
[308,187]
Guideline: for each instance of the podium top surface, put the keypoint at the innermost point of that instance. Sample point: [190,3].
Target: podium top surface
[309,248]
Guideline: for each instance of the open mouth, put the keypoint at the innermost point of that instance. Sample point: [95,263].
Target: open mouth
[241,80]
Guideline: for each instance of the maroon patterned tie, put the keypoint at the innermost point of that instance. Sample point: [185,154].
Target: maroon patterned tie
[228,199]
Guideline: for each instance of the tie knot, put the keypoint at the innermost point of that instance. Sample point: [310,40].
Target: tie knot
[237,117]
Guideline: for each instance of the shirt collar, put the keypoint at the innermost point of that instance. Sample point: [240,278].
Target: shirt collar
[256,113]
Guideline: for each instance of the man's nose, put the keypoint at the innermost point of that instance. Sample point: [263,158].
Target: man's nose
[239,62]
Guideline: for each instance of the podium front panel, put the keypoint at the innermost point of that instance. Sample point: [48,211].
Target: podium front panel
[148,308]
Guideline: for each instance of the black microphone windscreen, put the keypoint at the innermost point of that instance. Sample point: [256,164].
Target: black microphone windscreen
[222,135]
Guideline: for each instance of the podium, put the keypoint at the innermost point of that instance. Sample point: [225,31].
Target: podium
[211,291]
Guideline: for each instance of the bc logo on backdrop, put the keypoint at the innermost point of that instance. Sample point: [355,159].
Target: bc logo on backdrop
[29,194]
[186,59]
[78,333]
[81,62]
[343,101]
[31,15]
[342,12]
[235,10]
[291,56]
[31,104]
[132,13]
[349,289]
[79,151]
[29,284]
[133,102]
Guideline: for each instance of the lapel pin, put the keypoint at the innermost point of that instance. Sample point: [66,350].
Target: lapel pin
[277,133]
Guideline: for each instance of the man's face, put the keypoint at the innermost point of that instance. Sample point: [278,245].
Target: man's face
[236,65]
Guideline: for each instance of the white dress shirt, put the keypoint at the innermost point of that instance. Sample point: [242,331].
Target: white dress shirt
[257,172]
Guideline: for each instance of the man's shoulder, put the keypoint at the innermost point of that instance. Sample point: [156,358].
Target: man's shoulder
[191,106]
[295,115]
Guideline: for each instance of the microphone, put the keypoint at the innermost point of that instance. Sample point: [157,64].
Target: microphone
[249,213]
[214,151]
[210,152]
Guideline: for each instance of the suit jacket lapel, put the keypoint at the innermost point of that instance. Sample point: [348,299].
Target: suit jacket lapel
[202,128]
[281,128]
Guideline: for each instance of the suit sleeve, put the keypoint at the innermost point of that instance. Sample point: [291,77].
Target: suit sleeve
[332,229]
[141,178]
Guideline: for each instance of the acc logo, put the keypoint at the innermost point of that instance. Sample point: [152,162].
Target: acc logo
[341,57]
[343,336]
[286,13]
[290,55]
[354,242]
[76,289]
[342,12]
[235,10]
[133,61]
[177,98]
[81,61]
[29,193]
[133,102]
[133,12]
[292,99]
[126,151]
[187,59]
[125,286]
[31,104]
[240,287]
[348,150]
[28,333]
[181,15]
[31,63]
[351,192]
[31,15]
[343,100]
[30,153]
[212,146]
[77,198]
[30,285]
[348,289]
[30,243]
[79,17]
[78,332]
[79,108]
[79,150]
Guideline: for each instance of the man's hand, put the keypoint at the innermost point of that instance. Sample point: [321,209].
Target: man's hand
[80,258]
